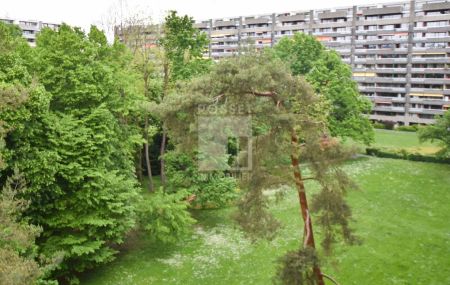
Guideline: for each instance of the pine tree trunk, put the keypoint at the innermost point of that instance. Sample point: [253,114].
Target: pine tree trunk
[304,205]
[147,158]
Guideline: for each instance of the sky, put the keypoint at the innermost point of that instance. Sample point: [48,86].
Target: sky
[83,13]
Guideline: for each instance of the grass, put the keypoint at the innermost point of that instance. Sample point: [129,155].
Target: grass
[401,214]
[408,141]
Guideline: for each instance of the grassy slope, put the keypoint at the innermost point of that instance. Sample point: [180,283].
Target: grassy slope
[401,213]
[403,140]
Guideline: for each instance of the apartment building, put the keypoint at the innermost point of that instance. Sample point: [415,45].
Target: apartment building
[30,28]
[399,52]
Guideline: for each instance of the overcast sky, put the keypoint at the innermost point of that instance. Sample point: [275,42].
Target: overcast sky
[83,13]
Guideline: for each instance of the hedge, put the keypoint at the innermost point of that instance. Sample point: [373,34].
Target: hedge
[403,154]
[413,128]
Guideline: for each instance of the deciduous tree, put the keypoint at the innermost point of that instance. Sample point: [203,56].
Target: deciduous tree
[183,46]
[440,132]
[331,77]
[72,142]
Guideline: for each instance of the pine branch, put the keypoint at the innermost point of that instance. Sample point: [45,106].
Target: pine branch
[330,278]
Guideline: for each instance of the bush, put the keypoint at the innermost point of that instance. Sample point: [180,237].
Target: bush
[412,128]
[378,125]
[403,154]
[208,190]
[165,216]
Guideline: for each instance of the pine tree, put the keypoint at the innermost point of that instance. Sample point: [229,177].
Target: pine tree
[289,123]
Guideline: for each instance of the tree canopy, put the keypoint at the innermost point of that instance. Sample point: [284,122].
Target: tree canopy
[288,125]
[440,132]
[74,124]
[331,77]
[71,141]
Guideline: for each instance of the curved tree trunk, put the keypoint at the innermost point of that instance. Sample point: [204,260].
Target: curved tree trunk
[308,231]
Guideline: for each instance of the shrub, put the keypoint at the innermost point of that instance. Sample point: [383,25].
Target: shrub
[209,190]
[403,154]
[378,125]
[412,128]
[165,216]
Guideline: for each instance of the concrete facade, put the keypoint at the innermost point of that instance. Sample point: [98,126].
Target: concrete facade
[399,52]
[30,28]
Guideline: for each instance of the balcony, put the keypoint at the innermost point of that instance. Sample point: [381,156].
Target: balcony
[430,60]
[431,49]
[382,41]
[390,70]
[389,109]
[382,89]
[224,46]
[379,99]
[426,111]
[430,70]
[430,80]
[417,120]
[223,54]
[257,29]
[380,31]
[372,60]
[397,118]
[428,91]
[436,102]
[431,39]
[376,79]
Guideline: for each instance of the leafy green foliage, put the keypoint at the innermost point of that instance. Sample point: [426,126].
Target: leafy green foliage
[210,190]
[15,55]
[13,76]
[329,76]
[72,142]
[19,259]
[165,216]
[406,155]
[440,132]
[412,128]
[17,237]
[284,111]
[183,45]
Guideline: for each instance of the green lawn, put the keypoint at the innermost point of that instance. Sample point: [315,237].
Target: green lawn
[401,213]
[403,140]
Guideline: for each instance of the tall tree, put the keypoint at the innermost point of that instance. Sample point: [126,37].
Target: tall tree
[162,55]
[140,35]
[74,145]
[289,122]
[440,132]
[14,52]
[183,46]
[331,77]
[16,236]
